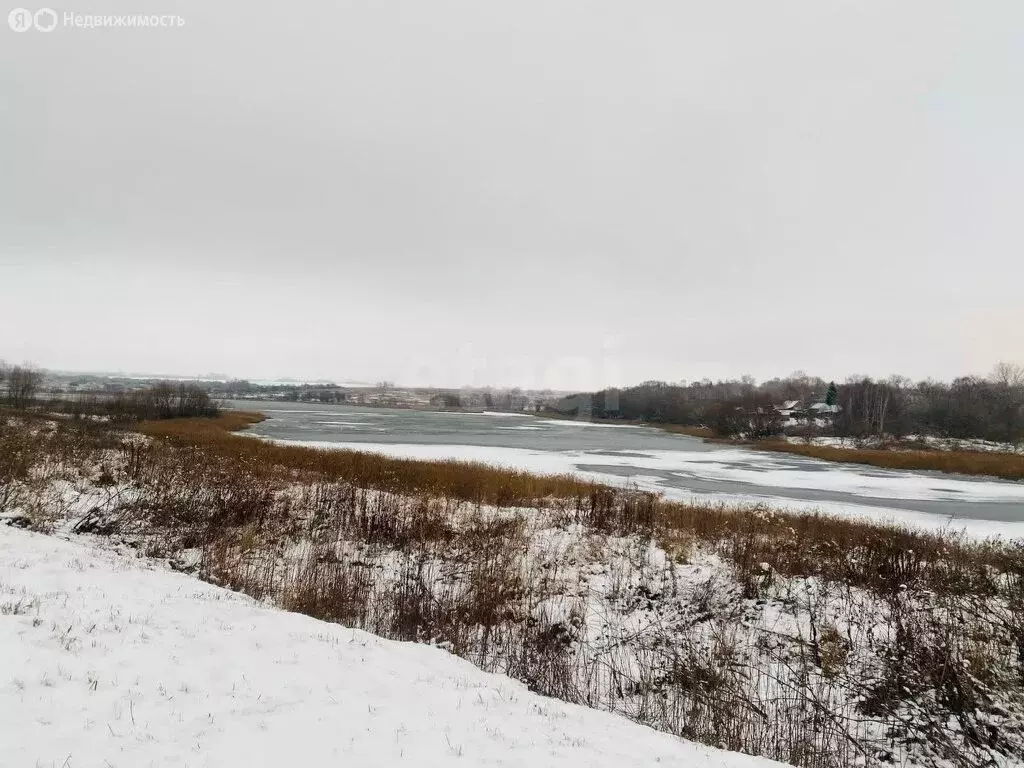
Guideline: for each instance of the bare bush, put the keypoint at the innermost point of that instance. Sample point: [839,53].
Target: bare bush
[22,385]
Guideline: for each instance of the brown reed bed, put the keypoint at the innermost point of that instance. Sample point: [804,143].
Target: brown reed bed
[1008,466]
[463,480]
[854,551]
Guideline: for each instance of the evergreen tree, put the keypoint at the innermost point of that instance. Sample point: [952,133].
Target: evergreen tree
[832,396]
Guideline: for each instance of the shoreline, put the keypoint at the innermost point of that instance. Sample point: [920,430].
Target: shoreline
[994,464]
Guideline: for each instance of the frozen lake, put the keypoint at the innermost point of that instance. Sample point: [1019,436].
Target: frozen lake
[680,467]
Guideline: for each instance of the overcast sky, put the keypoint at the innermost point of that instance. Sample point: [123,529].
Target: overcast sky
[535,192]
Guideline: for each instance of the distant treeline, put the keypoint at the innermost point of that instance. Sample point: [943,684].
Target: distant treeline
[990,408]
[166,400]
[20,387]
[297,392]
[18,384]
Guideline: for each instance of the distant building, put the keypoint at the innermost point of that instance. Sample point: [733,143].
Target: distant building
[823,408]
[794,414]
[788,408]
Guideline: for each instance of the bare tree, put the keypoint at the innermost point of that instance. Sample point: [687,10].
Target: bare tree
[22,384]
[1008,374]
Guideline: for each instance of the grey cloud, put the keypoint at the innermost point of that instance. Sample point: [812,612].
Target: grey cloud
[567,192]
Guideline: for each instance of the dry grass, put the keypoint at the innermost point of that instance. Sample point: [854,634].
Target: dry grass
[228,421]
[702,432]
[1003,465]
[929,628]
[881,558]
[463,480]
[416,566]
[853,551]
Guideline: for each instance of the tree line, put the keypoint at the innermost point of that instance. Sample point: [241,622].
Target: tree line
[988,408]
[20,387]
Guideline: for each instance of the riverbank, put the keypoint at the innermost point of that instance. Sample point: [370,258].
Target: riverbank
[893,454]
[767,632]
[680,467]
[1006,466]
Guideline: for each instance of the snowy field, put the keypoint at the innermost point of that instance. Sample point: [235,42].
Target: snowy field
[112,661]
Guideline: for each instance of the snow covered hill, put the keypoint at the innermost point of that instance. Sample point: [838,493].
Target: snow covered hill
[111,661]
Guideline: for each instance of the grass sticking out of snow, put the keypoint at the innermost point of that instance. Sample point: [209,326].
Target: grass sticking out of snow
[108,662]
[819,641]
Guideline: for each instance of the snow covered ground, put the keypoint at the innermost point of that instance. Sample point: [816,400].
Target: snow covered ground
[113,661]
